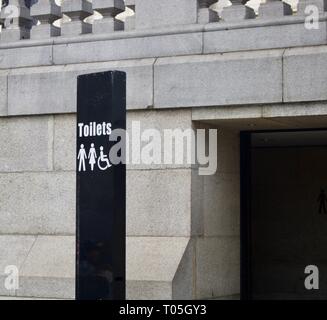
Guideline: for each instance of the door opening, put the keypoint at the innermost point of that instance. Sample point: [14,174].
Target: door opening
[284,214]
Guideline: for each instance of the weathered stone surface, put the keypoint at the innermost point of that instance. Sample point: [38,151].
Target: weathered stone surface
[64,142]
[131,48]
[3,93]
[234,78]
[160,258]
[158,13]
[159,202]
[221,205]
[148,290]
[60,85]
[303,76]
[37,203]
[49,270]
[277,36]
[51,256]
[218,267]
[183,283]
[25,57]
[26,144]
[13,252]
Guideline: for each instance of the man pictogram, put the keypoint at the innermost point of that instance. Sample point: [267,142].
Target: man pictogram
[322,198]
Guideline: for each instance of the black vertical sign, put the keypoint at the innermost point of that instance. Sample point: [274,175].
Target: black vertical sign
[101,187]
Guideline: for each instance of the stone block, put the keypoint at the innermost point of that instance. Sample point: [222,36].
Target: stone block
[26,144]
[159,202]
[227,79]
[303,76]
[54,89]
[25,56]
[159,13]
[37,203]
[218,267]
[128,48]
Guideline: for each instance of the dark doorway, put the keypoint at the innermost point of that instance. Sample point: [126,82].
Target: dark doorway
[284,215]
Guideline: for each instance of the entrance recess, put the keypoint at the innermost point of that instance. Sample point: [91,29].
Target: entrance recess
[284,214]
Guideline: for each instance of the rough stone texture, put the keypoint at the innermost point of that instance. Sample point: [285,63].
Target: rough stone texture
[26,144]
[37,203]
[277,36]
[234,78]
[46,265]
[159,202]
[218,267]
[222,211]
[64,142]
[183,284]
[303,79]
[60,84]
[159,13]
[160,258]
[148,290]
[24,57]
[132,48]
[49,270]
[14,250]
[3,94]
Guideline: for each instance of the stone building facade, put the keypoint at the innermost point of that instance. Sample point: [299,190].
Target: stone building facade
[187,67]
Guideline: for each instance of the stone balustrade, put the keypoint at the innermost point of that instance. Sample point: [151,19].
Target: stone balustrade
[41,19]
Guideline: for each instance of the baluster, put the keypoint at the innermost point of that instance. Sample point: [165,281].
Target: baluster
[237,11]
[46,11]
[16,20]
[108,9]
[205,14]
[77,11]
[274,8]
[130,20]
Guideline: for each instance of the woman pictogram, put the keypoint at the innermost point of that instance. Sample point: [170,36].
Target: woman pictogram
[92,156]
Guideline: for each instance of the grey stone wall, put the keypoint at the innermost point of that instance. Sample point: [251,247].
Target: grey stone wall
[184,70]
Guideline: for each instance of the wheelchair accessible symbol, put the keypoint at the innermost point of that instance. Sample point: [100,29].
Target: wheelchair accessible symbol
[102,161]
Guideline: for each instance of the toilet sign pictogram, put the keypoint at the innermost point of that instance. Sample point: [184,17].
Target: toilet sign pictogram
[100,202]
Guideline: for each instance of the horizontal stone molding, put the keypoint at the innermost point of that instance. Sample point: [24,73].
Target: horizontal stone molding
[189,39]
[48,90]
[236,78]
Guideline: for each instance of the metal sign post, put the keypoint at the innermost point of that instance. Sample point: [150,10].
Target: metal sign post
[101,187]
